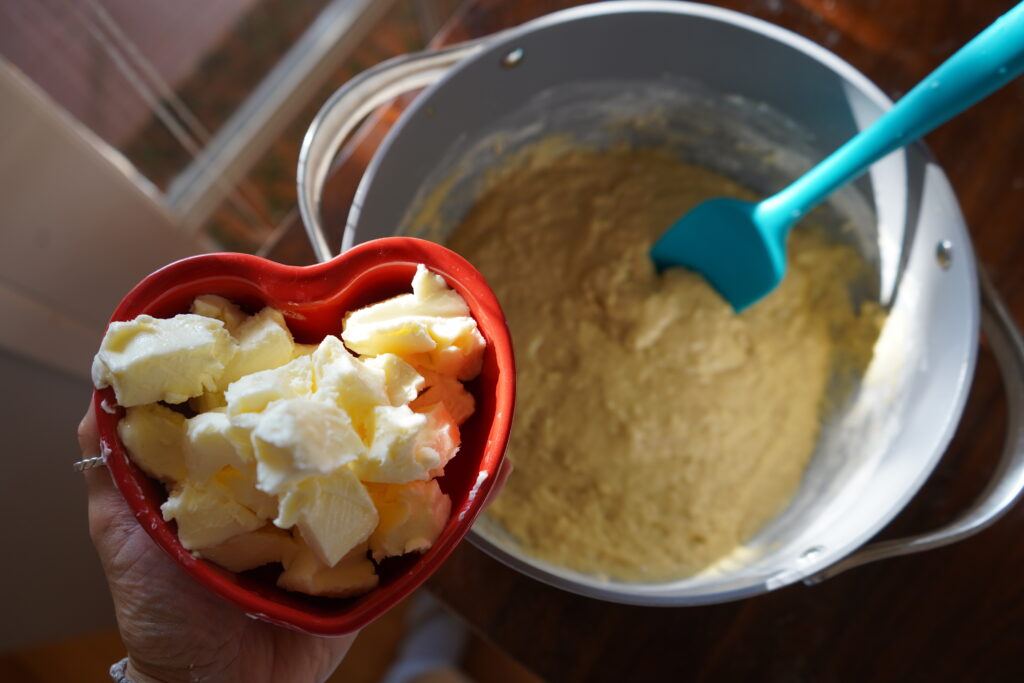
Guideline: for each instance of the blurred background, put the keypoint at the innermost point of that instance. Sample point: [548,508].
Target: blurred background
[137,132]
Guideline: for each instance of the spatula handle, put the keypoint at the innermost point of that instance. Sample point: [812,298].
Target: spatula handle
[991,60]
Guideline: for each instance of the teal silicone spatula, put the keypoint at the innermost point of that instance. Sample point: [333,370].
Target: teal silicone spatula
[740,247]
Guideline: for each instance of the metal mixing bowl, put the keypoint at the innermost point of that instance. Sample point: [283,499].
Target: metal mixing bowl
[759,104]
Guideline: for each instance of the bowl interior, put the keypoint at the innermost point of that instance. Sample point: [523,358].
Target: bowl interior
[314,300]
[759,104]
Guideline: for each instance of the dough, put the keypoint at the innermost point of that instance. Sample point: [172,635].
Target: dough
[655,429]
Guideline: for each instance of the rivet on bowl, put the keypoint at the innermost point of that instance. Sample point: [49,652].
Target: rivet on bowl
[811,553]
[513,58]
[944,254]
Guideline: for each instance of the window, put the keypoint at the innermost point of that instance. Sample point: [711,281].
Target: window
[208,100]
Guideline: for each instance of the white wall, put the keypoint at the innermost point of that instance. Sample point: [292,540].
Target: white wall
[76,232]
[52,583]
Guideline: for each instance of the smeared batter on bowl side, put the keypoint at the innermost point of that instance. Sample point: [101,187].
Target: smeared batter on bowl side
[655,429]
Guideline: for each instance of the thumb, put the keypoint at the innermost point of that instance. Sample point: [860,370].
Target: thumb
[111,521]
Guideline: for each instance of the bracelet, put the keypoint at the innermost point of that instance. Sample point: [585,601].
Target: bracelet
[117,672]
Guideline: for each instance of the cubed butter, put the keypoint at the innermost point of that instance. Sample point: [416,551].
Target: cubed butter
[264,343]
[441,437]
[459,349]
[240,435]
[305,573]
[242,486]
[333,512]
[209,400]
[149,359]
[401,381]
[412,516]
[252,549]
[303,454]
[304,350]
[449,392]
[154,436]
[301,437]
[407,446]
[342,379]
[213,306]
[430,328]
[207,514]
[254,392]
[210,446]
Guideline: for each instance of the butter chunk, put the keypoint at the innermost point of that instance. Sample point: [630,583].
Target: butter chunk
[412,517]
[305,573]
[342,379]
[240,435]
[304,349]
[252,393]
[264,343]
[149,359]
[297,438]
[213,306]
[252,549]
[449,392]
[210,446]
[334,513]
[408,446]
[154,436]
[430,328]
[242,486]
[459,351]
[207,514]
[401,381]
[210,400]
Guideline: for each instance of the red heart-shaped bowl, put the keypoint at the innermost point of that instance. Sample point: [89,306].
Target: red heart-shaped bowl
[314,299]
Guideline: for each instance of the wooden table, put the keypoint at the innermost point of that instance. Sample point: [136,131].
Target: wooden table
[953,614]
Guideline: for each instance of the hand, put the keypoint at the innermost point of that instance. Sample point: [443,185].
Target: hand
[173,628]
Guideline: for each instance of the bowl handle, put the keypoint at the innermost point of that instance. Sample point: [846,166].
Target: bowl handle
[1007,481]
[347,108]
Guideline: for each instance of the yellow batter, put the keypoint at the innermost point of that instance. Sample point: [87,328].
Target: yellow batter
[655,429]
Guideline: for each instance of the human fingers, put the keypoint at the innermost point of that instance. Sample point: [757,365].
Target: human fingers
[110,520]
[89,434]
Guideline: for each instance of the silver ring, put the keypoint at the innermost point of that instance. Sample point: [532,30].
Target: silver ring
[89,463]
